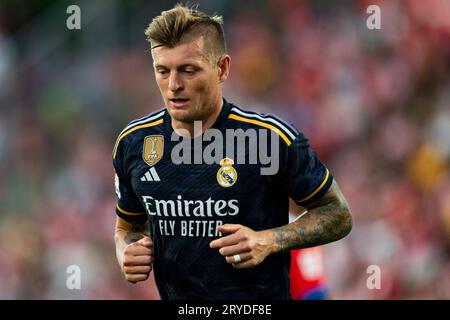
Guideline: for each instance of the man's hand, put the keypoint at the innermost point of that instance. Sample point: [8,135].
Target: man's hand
[137,260]
[251,246]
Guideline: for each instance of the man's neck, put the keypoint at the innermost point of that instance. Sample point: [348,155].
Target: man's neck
[179,126]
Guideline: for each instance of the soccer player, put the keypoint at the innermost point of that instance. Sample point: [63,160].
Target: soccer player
[214,230]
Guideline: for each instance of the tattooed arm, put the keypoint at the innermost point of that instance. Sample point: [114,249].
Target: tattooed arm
[326,220]
[134,249]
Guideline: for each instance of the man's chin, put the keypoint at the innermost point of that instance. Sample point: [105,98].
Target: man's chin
[182,115]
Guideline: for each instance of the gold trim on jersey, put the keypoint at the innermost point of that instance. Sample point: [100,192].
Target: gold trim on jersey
[318,188]
[146,125]
[129,213]
[262,124]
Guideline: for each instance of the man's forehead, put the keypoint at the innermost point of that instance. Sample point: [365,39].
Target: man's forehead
[184,51]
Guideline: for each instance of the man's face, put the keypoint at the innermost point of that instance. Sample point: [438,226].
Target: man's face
[189,83]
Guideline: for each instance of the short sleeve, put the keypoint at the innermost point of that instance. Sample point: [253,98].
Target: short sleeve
[305,176]
[128,206]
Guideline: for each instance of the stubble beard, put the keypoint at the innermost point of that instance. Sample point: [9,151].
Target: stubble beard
[196,114]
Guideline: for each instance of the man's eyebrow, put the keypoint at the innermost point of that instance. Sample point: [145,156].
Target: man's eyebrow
[178,67]
[188,65]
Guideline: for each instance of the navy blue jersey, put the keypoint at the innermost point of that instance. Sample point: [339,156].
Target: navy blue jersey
[186,202]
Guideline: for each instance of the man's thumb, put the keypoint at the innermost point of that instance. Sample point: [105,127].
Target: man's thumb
[145,241]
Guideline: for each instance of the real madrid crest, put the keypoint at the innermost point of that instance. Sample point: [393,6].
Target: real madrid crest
[153,149]
[227,175]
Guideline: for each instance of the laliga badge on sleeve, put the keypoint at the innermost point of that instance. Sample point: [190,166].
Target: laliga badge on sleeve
[227,175]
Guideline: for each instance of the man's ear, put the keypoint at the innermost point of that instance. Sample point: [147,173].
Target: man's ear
[223,67]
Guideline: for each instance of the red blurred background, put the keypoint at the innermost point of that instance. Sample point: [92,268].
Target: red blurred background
[375,105]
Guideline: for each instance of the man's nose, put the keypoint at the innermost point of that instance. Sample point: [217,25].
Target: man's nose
[175,83]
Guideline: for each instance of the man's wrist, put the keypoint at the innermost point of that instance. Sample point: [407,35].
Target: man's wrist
[271,243]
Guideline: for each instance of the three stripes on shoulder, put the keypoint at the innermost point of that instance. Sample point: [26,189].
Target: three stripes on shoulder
[150,175]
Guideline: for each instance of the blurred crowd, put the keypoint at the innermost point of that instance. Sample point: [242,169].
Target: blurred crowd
[375,105]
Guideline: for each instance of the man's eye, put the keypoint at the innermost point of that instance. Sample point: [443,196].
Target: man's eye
[162,72]
[189,72]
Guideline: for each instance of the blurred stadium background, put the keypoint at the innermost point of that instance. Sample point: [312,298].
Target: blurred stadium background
[374,103]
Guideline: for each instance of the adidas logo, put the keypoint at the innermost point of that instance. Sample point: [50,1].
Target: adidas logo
[150,175]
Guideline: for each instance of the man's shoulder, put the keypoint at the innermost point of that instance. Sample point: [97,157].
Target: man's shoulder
[256,120]
[150,120]
[151,123]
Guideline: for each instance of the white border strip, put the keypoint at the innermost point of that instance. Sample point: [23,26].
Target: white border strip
[158,115]
[255,116]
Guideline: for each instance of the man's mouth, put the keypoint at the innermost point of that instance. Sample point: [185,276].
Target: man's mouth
[179,102]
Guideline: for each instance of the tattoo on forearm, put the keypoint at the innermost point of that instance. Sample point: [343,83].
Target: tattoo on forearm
[328,221]
[137,232]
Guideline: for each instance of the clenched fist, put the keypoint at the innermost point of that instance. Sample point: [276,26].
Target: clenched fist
[137,260]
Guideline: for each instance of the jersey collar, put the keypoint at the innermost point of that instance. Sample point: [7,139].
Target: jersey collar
[221,119]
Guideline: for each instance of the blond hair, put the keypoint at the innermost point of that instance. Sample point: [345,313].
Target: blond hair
[168,29]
